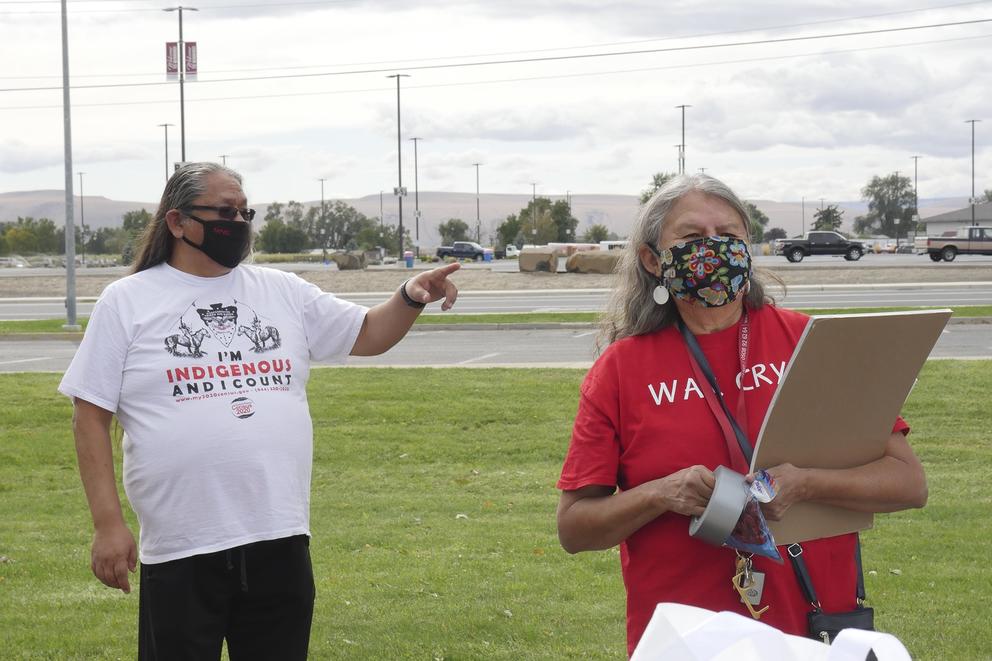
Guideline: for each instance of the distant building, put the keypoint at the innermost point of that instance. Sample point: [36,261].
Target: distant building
[952,220]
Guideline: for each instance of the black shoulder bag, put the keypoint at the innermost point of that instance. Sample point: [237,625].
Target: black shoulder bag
[822,626]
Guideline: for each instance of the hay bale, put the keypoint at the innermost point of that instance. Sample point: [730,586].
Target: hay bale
[593,261]
[538,259]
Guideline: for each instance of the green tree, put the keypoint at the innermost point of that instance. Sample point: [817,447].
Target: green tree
[538,215]
[508,231]
[596,233]
[451,230]
[890,206]
[340,225]
[758,221]
[775,233]
[278,236]
[29,235]
[987,196]
[134,223]
[565,223]
[657,181]
[828,218]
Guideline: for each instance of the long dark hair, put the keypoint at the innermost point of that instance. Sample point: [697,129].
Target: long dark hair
[188,183]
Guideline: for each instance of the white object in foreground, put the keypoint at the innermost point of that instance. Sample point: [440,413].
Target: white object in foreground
[688,633]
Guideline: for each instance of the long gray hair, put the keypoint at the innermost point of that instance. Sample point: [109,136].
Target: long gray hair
[185,185]
[631,309]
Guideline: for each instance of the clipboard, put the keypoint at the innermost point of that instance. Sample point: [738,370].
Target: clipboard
[838,398]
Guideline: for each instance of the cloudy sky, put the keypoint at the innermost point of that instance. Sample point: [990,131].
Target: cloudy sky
[788,99]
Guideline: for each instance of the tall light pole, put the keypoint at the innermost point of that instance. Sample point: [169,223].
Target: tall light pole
[916,192]
[70,230]
[82,218]
[382,222]
[166,127]
[533,210]
[323,226]
[804,215]
[682,150]
[399,156]
[182,78]
[223,159]
[972,122]
[478,223]
[416,195]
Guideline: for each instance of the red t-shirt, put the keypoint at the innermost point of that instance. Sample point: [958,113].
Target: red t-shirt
[642,416]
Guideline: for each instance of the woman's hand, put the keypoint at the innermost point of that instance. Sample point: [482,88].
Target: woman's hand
[433,285]
[687,491]
[790,488]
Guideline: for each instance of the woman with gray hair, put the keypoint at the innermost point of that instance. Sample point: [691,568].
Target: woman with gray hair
[648,435]
[204,361]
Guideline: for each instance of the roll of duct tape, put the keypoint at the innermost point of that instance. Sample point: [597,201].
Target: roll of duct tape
[729,497]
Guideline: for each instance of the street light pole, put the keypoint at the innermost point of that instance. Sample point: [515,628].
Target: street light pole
[70,230]
[804,215]
[166,126]
[399,157]
[478,221]
[82,218]
[682,149]
[182,79]
[972,122]
[323,226]
[533,210]
[916,192]
[223,159]
[416,195]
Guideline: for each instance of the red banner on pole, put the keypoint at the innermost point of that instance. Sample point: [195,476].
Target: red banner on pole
[171,60]
[189,59]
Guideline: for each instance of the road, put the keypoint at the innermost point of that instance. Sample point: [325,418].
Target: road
[474,348]
[593,300]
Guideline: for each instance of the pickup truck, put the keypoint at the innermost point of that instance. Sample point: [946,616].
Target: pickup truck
[819,243]
[966,241]
[462,250]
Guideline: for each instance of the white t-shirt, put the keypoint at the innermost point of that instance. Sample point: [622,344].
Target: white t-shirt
[208,379]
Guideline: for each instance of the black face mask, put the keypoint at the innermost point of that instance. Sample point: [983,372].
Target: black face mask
[224,241]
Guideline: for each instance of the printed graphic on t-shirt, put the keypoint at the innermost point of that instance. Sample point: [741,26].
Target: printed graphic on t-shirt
[676,390]
[223,339]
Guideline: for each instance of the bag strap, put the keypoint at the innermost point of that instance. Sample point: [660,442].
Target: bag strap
[696,353]
[795,550]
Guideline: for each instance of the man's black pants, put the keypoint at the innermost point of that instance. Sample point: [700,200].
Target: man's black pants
[258,596]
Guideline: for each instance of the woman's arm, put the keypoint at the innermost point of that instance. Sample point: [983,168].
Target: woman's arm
[114,552]
[387,323]
[595,518]
[894,482]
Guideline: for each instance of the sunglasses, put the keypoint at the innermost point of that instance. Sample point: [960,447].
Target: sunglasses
[226,213]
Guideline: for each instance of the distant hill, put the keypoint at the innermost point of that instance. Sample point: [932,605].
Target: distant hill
[617,212]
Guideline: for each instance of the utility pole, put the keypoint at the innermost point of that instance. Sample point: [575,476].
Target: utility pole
[682,147]
[416,194]
[478,223]
[182,79]
[804,215]
[223,159]
[916,193]
[166,126]
[972,122]
[82,218]
[399,157]
[533,210]
[70,230]
[382,222]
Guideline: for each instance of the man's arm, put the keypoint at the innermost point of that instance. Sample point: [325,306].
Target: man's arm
[387,323]
[114,552]
[894,482]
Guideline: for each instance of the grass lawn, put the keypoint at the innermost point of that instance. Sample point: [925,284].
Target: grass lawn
[433,520]
[55,325]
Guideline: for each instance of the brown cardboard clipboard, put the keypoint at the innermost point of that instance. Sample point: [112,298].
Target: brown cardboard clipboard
[838,398]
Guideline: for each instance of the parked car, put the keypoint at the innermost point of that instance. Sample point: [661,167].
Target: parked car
[966,241]
[819,243]
[462,250]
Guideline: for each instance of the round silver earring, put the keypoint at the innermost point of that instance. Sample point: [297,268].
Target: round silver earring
[660,295]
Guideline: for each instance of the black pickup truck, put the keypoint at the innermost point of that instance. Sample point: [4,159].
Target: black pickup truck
[462,250]
[819,243]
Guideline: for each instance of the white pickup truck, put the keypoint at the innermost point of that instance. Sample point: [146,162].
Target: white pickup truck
[965,241]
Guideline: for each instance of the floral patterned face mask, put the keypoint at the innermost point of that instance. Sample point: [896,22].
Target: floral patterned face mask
[711,271]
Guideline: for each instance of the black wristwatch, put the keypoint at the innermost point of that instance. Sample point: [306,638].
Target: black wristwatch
[409,301]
